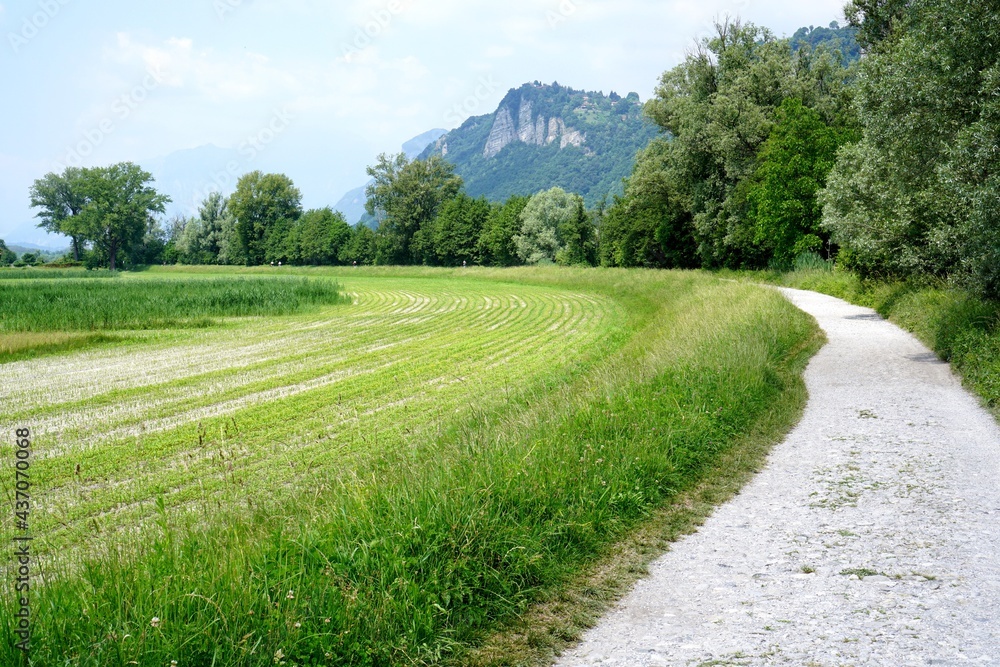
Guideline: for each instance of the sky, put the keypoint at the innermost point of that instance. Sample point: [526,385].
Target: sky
[309,88]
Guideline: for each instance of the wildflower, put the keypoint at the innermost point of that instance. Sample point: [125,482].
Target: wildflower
[291,595]
[278,655]
[297,624]
[327,621]
[155,622]
[173,663]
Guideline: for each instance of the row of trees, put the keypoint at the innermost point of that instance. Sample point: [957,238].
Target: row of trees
[426,218]
[752,127]
[919,194]
[770,150]
[9,258]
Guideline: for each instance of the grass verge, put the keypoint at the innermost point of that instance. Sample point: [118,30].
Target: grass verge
[959,327]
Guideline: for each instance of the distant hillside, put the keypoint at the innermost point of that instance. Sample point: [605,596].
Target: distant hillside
[543,136]
[352,205]
[832,37]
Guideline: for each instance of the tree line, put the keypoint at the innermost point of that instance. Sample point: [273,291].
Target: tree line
[771,152]
[425,218]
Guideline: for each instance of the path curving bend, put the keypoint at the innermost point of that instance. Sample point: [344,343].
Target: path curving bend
[872,536]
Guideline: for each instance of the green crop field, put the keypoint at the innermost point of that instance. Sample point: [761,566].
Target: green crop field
[380,479]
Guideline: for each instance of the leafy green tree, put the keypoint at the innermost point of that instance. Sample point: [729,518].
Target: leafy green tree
[577,237]
[719,106]
[29,259]
[546,212]
[405,196]
[457,228]
[318,237]
[119,208]
[496,243]
[651,225]
[792,167]
[7,256]
[60,198]
[917,195]
[360,247]
[264,206]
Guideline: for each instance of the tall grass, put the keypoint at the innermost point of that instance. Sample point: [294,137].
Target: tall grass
[94,305]
[406,556]
[35,273]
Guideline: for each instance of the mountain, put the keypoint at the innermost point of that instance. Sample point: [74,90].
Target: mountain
[188,176]
[352,205]
[543,136]
[30,236]
[832,37]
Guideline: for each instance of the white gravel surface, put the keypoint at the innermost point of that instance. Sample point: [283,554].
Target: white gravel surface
[872,537]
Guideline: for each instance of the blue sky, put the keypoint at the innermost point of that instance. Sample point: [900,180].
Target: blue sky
[312,89]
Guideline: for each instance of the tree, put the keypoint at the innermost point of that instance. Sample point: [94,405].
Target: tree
[650,225]
[456,230]
[918,195]
[496,243]
[264,206]
[719,107]
[577,239]
[61,199]
[792,167]
[406,196]
[7,256]
[119,207]
[546,212]
[318,237]
[360,247]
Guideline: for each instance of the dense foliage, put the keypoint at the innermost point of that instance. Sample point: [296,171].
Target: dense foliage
[110,207]
[834,38]
[709,193]
[919,193]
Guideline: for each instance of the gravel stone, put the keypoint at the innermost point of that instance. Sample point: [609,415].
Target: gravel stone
[872,536]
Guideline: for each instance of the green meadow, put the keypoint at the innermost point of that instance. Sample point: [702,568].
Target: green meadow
[366,466]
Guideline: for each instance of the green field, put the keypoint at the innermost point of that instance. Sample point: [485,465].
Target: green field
[386,481]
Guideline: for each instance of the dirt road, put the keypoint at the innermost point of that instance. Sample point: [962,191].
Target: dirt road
[872,537]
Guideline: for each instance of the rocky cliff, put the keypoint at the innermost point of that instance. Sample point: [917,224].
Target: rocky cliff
[545,135]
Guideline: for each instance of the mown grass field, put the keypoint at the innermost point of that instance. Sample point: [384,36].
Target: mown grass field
[386,482]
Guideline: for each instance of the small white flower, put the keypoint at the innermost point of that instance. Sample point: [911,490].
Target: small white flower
[291,595]
[155,622]
[297,624]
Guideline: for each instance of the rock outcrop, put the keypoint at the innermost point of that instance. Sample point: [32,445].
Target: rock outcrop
[530,129]
[502,134]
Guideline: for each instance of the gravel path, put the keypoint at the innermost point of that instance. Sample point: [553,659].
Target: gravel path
[872,537]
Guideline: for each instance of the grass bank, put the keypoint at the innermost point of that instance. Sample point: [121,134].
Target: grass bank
[958,326]
[436,535]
